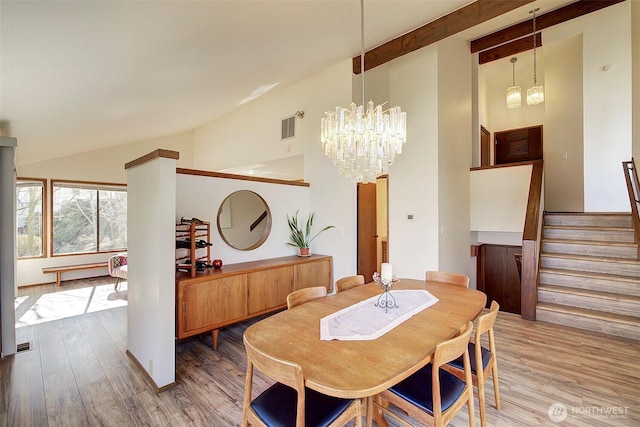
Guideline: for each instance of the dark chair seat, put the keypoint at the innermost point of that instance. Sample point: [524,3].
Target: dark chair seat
[276,406]
[486,355]
[418,391]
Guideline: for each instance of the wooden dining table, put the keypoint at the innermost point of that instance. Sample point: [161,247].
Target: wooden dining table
[362,369]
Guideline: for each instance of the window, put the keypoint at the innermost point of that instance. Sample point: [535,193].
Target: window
[88,218]
[29,217]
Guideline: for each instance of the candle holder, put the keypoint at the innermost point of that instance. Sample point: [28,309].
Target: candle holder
[386,300]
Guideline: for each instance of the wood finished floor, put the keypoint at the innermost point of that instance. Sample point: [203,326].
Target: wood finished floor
[77,374]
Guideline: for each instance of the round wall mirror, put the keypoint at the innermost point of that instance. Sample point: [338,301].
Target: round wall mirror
[244,220]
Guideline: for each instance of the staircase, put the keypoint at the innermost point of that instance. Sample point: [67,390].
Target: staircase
[590,274]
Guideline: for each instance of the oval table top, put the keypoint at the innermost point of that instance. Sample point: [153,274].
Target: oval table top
[357,369]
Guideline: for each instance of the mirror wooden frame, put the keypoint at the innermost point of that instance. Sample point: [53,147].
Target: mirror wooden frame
[225,216]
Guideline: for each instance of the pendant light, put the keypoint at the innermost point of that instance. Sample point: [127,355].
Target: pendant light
[514,93]
[535,94]
[363,144]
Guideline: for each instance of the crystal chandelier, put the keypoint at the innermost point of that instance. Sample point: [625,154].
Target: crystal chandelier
[514,95]
[363,144]
[535,94]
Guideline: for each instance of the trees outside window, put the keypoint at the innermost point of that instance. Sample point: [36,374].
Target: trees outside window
[29,217]
[88,218]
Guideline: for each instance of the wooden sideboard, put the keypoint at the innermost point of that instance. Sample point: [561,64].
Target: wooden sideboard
[237,292]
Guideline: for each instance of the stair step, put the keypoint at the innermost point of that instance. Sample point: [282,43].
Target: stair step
[613,283]
[607,265]
[601,234]
[597,321]
[627,305]
[614,219]
[591,248]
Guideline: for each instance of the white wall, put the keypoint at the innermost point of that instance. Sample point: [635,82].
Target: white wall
[256,127]
[499,198]
[596,115]
[106,165]
[454,154]
[413,179]
[332,196]
[151,311]
[606,38]
[563,126]
[201,197]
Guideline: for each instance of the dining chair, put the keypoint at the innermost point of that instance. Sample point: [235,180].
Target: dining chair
[481,356]
[433,396]
[446,277]
[288,402]
[349,282]
[305,294]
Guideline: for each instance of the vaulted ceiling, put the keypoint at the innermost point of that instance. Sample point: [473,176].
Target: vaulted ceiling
[82,75]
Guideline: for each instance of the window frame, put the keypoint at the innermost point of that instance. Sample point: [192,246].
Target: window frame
[44,230]
[92,185]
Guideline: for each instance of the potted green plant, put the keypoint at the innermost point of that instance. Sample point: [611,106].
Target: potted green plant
[302,238]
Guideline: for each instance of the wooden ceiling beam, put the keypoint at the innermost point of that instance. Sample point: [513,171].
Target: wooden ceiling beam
[546,20]
[443,27]
[509,49]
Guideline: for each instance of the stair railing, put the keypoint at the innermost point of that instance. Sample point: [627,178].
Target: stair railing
[531,240]
[633,188]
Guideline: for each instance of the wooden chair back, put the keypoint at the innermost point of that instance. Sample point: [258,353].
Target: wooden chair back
[282,371]
[290,374]
[305,294]
[446,277]
[484,325]
[486,321]
[349,282]
[445,352]
[452,348]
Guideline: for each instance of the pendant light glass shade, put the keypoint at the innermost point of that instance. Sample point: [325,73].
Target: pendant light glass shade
[514,97]
[535,94]
[363,143]
[514,93]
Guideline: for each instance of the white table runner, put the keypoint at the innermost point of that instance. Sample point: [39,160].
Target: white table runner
[366,321]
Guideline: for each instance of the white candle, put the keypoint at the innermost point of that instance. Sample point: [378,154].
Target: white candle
[386,271]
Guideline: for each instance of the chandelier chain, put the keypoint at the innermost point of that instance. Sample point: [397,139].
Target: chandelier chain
[535,68]
[535,94]
[362,47]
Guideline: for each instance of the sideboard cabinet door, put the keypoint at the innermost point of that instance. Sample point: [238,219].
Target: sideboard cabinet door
[317,273]
[269,288]
[211,302]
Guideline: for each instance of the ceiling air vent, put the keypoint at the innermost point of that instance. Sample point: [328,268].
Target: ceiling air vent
[289,125]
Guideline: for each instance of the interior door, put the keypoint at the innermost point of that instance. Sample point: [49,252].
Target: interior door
[367,231]
[518,145]
[485,147]
[498,277]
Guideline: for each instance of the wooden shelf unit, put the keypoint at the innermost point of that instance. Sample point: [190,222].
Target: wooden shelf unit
[236,292]
[194,232]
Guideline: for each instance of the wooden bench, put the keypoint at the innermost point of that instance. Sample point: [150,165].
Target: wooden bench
[64,268]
